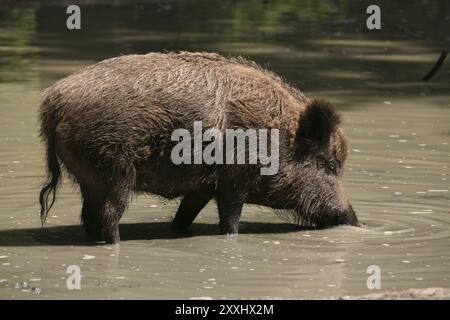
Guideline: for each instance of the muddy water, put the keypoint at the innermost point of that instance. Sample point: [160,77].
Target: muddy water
[396,176]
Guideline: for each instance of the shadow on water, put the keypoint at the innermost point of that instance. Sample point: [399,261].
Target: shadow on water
[75,236]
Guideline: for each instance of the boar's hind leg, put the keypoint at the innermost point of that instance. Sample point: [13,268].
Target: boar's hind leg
[190,207]
[90,215]
[103,206]
[116,201]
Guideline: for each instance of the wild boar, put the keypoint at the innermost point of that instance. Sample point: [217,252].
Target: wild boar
[111,127]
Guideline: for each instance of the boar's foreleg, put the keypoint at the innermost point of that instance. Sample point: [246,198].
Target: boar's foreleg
[230,202]
[190,207]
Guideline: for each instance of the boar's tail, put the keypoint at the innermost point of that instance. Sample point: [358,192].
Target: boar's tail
[54,174]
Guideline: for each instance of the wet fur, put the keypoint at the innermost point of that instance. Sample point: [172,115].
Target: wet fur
[110,124]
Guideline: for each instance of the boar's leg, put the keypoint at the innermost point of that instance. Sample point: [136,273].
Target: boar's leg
[103,206]
[230,202]
[113,210]
[90,215]
[116,201]
[190,207]
[93,191]
[101,213]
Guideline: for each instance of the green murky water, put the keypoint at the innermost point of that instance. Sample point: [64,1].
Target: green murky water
[397,173]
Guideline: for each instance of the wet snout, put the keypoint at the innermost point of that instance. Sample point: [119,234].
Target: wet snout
[348,217]
[332,218]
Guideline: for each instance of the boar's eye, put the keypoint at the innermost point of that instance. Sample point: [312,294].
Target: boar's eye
[332,166]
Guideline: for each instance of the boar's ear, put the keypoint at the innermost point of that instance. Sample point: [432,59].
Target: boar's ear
[316,124]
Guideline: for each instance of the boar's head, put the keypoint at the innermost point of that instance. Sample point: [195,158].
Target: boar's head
[308,188]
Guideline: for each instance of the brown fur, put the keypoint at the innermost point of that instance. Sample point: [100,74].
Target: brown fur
[110,126]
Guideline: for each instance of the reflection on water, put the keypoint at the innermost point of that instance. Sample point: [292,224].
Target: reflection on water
[397,175]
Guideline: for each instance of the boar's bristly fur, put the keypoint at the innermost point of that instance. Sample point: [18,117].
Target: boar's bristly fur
[110,125]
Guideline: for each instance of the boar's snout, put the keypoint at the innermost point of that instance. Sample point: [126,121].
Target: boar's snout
[349,217]
[337,217]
